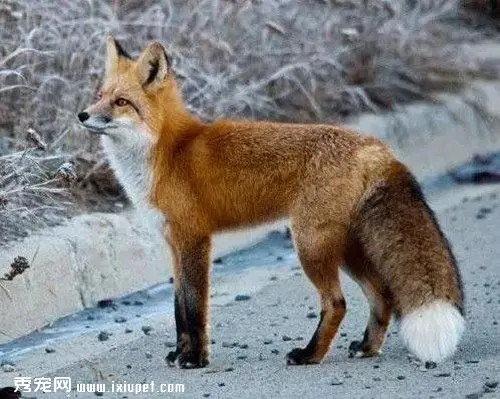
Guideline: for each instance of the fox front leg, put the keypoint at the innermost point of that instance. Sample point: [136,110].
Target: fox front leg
[192,263]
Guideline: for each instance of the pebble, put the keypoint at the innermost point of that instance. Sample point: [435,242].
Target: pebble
[8,368]
[430,365]
[227,369]
[401,377]
[106,303]
[242,357]
[243,346]
[275,352]
[443,375]
[239,298]
[229,344]
[128,331]
[103,336]
[336,382]
[286,338]
[49,349]
[120,319]
[126,302]
[147,329]
[138,303]
[268,341]
[218,261]
[171,280]
[312,315]
[491,384]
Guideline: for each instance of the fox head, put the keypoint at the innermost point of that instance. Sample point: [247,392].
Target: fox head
[135,96]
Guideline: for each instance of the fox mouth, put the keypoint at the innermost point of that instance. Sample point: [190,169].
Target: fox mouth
[95,129]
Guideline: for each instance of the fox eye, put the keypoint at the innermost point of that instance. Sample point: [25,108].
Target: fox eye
[121,102]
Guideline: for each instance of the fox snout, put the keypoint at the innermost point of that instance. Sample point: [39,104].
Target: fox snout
[83,116]
[95,123]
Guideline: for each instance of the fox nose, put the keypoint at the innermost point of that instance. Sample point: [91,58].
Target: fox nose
[83,116]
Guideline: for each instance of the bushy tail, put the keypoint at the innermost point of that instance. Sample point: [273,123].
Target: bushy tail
[402,239]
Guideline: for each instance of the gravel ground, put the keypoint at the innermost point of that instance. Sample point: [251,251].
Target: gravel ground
[252,336]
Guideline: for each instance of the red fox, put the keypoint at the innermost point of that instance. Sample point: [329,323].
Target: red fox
[350,202]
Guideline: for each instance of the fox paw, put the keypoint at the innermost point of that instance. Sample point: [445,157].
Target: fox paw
[300,356]
[192,360]
[187,360]
[172,357]
[360,349]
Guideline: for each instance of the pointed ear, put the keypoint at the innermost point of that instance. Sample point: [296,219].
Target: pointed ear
[113,53]
[153,65]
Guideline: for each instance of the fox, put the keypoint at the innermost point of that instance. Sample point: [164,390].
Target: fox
[351,205]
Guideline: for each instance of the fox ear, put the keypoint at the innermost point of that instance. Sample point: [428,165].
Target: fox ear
[153,65]
[113,53]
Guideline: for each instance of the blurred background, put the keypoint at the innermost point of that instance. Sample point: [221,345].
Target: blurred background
[300,61]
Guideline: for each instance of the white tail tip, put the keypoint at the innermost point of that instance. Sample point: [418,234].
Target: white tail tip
[432,331]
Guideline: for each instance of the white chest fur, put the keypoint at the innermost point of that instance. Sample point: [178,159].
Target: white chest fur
[128,153]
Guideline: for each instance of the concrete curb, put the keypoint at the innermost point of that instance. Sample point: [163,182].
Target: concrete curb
[100,256]
[90,258]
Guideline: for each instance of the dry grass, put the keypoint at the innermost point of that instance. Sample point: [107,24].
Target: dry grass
[316,61]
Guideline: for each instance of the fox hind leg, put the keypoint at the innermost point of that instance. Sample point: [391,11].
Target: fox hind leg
[379,298]
[320,252]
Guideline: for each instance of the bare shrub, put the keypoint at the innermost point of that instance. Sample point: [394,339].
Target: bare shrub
[281,60]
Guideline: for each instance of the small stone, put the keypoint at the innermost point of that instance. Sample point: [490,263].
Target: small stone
[8,368]
[212,341]
[218,261]
[170,344]
[243,346]
[430,365]
[442,375]
[147,329]
[472,361]
[206,395]
[171,280]
[90,317]
[312,315]
[401,377]
[239,298]
[126,302]
[242,357]
[128,366]
[97,393]
[268,341]
[106,303]
[227,369]
[474,395]
[286,338]
[376,366]
[279,258]
[336,382]
[343,334]
[377,379]
[128,331]
[103,336]
[228,345]
[491,384]
[120,319]
[49,349]
[138,303]
[221,384]
[273,278]
[275,351]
